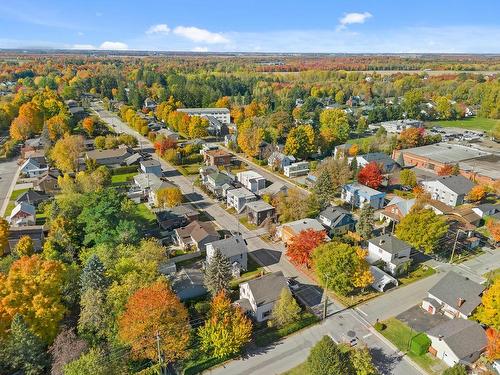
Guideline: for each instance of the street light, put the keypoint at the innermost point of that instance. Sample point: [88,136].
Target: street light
[325,307]
[455,244]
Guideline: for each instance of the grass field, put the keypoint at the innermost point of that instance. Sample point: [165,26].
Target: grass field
[472,123]
[120,179]
[299,370]
[12,202]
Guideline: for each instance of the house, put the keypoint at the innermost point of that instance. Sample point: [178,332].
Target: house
[221,114]
[133,159]
[34,167]
[259,211]
[251,180]
[397,209]
[300,168]
[217,158]
[22,214]
[176,217]
[149,184]
[188,283]
[455,296]
[358,195]
[397,126]
[438,207]
[168,133]
[238,198]
[486,209]
[450,190]
[216,127]
[279,160]
[341,151]
[206,170]
[274,189]
[457,341]
[151,166]
[258,296]
[30,146]
[47,182]
[382,281]
[219,183]
[390,250]
[234,248]
[110,158]
[383,160]
[336,220]
[149,104]
[31,197]
[35,232]
[196,234]
[286,231]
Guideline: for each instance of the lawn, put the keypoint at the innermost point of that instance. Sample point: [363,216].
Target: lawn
[123,178]
[399,334]
[12,202]
[357,141]
[189,169]
[472,123]
[299,370]
[253,271]
[145,214]
[422,271]
[270,335]
[250,226]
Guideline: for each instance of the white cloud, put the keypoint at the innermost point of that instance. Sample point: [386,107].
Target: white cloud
[83,46]
[113,46]
[351,18]
[80,33]
[199,49]
[158,29]
[200,35]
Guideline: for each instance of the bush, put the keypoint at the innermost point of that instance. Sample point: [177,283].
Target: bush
[420,344]
[202,307]
[379,326]
[274,334]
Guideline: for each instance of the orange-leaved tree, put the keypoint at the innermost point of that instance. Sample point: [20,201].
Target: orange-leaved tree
[477,193]
[493,346]
[494,229]
[88,125]
[301,246]
[370,175]
[154,311]
[445,170]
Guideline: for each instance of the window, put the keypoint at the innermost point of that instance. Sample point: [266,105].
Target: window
[266,314]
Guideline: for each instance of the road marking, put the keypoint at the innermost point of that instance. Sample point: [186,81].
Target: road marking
[361,311]
[368,335]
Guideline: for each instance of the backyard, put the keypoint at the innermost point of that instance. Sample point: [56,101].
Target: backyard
[472,123]
[12,201]
[122,178]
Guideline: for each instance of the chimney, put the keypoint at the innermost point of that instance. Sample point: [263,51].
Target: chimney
[382,242]
[460,302]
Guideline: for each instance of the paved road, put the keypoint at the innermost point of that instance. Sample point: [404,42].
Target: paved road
[9,172]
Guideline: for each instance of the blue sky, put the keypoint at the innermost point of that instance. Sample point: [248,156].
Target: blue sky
[371,26]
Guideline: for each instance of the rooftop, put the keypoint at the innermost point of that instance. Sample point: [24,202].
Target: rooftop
[217,153]
[335,214]
[203,110]
[231,246]
[267,289]
[197,230]
[486,165]
[446,152]
[259,206]
[111,153]
[150,163]
[304,224]
[404,205]
[389,243]
[363,189]
[459,184]
[241,193]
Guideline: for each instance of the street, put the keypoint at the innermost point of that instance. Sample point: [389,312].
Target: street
[9,172]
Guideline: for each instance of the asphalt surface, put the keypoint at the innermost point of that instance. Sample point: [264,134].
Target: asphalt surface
[9,172]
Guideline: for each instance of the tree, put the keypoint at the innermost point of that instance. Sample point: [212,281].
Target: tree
[34,288]
[67,151]
[301,141]
[494,229]
[341,267]
[444,108]
[488,313]
[326,358]
[227,329]
[333,173]
[445,170]
[94,320]
[198,127]
[154,311]
[88,125]
[340,97]
[20,129]
[362,125]
[168,197]
[217,274]
[362,362]
[334,127]
[411,137]
[93,276]
[66,348]
[493,347]
[96,362]
[364,226]
[295,205]
[477,193]
[301,246]
[422,229]
[458,369]
[33,114]
[250,136]
[286,310]
[4,235]
[370,175]
[24,350]
[407,177]
[57,126]
[100,142]
[24,247]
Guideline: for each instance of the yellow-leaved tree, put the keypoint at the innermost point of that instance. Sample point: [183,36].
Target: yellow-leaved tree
[168,197]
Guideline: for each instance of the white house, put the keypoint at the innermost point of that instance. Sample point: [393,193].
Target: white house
[151,166]
[457,341]
[390,250]
[300,168]
[34,167]
[455,296]
[234,249]
[238,198]
[486,209]
[221,114]
[259,295]
[280,160]
[450,190]
[22,214]
[251,180]
[359,195]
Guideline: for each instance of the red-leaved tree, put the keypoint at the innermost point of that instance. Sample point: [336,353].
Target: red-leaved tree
[370,175]
[445,170]
[493,348]
[164,144]
[301,246]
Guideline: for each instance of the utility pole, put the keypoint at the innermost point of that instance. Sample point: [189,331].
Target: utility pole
[325,306]
[160,358]
[455,244]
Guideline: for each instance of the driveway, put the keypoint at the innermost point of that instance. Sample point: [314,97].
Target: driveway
[420,320]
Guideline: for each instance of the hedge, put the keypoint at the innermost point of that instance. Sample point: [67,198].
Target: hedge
[419,344]
[123,170]
[274,334]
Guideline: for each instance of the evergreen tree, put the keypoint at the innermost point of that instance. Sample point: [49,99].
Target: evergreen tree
[326,358]
[218,273]
[93,275]
[286,310]
[354,166]
[364,226]
[23,350]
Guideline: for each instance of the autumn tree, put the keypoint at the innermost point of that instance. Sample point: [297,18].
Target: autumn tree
[250,136]
[341,267]
[362,361]
[362,125]
[4,236]
[21,129]
[411,137]
[295,205]
[488,313]
[24,247]
[301,246]
[407,177]
[477,193]
[332,174]
[458,369]
[198,127]
[445,170]
[163,144]
[301,141]
[286,310]
[168,197]
[33,113]
[154,311]
[493,346]
[364,225]
[226,330]
[371,175]
[334,127]
[217,273]
[57,126]
[422,229]
[67,151]
[494,229]
[96,362]
[66,348]
[88,124]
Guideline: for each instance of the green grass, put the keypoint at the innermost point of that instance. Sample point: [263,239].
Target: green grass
[472,123]
[493,274]
[12,202]
[17,193]
[145,215]
[271,335]
[420,272]
[189,169]
[253,271]
[399,334]
[299,370]
[246,223]
[121,179]
[357,141]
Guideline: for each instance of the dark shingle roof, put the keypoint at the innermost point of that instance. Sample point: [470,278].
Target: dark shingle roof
[459,184]
[231,246]
[31,197]
[453,287]
[335,214]
[389,243]
[267,288]
[464,337]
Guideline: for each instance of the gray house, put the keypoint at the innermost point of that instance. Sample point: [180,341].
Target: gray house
[450,190]
[258,211]
[234,249]
[151,166]
[336,220]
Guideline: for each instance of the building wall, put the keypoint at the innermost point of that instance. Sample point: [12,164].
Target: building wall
[443,352]
[441,193]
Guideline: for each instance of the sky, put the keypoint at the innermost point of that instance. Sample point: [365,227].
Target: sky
[306,26]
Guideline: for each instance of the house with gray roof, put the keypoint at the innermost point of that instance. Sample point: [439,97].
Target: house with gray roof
[457,341]
[35,232]
[234,248]
[151,166]
[259,295]
[22,214]
[486,209]
[259,211]
[336,220]
[110,158]
[274,189]
[215,183]
[455,296]
[383,160]
[34,167]
[389,250]
[397,209]
[196,234]
[279,160]
[450,190]
[31,197]
[238,198]
[359,195]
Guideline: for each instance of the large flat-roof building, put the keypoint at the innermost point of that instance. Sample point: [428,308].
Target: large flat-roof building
[221,114]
